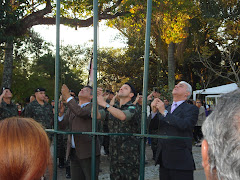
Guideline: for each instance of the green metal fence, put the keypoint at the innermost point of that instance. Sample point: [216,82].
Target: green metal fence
[94,134]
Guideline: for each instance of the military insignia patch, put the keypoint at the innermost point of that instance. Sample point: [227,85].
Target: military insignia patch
[131,107]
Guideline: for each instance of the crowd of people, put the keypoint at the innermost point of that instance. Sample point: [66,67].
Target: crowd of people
[121,113]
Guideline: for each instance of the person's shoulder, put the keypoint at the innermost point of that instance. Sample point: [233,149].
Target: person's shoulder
[3,103]
[190,106]
[86,105]
[14,106]
[130,105]
[33,104]
[133,108]
[48,106]
[202,107]
[89,105]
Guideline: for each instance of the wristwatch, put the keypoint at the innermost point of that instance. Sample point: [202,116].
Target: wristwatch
[107,106]
[165,113]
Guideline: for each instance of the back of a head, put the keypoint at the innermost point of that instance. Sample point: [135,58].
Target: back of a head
[25,149]
[222,131]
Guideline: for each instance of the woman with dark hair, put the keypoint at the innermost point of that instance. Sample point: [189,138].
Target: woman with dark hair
[25,149]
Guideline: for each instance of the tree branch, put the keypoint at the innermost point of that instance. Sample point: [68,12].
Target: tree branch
[74,22]
[37,18]
[35,15]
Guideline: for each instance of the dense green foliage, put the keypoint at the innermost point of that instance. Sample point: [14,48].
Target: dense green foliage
[205,34]
[34,66]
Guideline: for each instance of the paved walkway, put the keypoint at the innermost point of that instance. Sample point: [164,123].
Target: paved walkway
[151,171]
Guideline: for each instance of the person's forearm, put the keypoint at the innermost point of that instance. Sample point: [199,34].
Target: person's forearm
[1,98]
[112,102]
[149,97]
[117,113]
[98,115]
[135,102]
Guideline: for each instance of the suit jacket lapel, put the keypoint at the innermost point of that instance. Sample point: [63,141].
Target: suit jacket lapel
[178,108]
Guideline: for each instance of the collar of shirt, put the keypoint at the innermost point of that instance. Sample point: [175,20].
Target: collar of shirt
[82,105]
[178,103]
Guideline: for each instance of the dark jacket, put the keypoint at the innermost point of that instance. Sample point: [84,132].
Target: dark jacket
[176,153]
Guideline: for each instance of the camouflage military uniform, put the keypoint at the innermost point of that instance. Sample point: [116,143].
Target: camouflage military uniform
[8,110]
[41,113]
[124,151]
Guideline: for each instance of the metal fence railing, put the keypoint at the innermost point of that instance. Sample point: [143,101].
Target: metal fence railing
[94,134]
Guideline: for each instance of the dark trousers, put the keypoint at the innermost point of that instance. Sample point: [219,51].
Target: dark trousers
[81,168]
[106,144]
[154,143]
[173,174]
[197,135]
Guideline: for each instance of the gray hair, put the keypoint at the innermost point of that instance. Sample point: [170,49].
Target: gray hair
[189,88]
[222,131]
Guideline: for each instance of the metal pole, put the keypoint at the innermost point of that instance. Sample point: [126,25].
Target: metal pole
[56,95]
[145,87]
[94,119]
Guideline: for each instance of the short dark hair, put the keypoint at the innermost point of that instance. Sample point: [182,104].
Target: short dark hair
[189,101]
[109,91]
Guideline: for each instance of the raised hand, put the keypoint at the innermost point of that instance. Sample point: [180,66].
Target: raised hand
[65,92]
[100,99]
[154,105]
[160,106]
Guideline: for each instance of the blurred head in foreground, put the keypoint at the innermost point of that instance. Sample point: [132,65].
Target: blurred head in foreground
[25,149]
[221,144]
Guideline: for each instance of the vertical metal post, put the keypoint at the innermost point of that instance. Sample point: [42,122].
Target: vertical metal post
[56,94]
[94,119]
[145,87]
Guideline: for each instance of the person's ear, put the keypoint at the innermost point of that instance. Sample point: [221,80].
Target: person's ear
[91,97]
[205,160]
[205,157]
[131,95]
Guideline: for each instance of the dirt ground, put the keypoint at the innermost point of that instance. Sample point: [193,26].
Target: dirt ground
[104,166]
[151,171]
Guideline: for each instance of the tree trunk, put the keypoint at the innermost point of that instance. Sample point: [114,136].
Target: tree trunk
[171,67]
[8,65]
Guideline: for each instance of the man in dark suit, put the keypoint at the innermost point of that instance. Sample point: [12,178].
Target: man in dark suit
[175,155]
[78,119]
